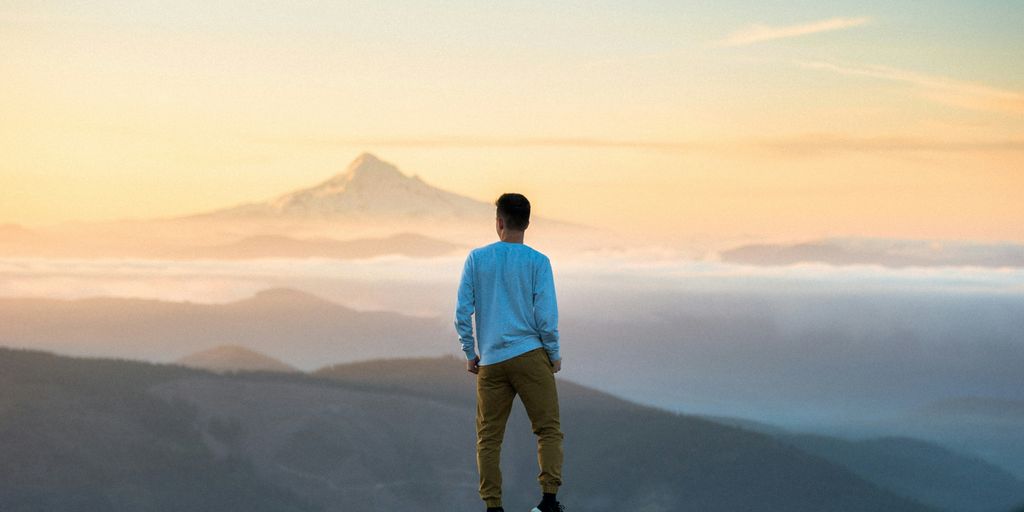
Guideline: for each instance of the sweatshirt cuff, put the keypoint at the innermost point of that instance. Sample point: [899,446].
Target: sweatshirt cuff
[470,355]
[554,355]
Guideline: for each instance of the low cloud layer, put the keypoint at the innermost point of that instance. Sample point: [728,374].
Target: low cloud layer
[431,281]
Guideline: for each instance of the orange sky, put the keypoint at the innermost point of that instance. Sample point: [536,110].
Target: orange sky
[773,124]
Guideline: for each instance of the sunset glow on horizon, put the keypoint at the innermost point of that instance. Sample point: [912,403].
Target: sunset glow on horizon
[879,119]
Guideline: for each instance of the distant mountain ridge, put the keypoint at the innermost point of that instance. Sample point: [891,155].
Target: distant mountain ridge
[889,252]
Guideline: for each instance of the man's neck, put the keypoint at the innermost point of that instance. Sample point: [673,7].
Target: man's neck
[515,237]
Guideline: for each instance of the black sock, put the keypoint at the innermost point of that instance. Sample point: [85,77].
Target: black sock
[495,509]
[549,497]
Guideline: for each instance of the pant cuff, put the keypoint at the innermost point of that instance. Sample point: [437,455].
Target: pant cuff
[492,502]
[553,489]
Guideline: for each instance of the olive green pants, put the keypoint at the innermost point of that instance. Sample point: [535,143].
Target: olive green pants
[530,376]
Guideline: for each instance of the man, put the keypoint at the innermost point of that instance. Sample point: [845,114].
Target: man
[510,288]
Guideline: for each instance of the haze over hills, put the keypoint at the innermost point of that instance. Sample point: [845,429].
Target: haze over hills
[101,434]
[991,428]
[282,246]
[925,471]
[974,407]
[872,358]
[921,470]
[15,233]
[296,327]
[234,358]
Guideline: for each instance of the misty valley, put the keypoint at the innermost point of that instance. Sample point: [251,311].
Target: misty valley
[683,400]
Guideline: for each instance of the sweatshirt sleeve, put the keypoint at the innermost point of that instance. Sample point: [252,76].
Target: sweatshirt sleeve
[464,310]
[545,308]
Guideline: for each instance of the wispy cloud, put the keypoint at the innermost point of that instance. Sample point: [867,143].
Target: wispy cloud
[759,33]
[825,143]
[797,145]
[944,90]
[493,142]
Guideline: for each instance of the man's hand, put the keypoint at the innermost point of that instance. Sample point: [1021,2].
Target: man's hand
[557,365]
[473,365]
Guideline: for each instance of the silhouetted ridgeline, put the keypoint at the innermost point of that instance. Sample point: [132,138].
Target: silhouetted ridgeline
[86,435]
[104,434]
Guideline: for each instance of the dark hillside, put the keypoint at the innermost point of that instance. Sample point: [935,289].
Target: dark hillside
[100,434]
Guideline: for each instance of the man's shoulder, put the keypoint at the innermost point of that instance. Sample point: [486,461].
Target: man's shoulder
[482,249]
[537,254]
[479,254]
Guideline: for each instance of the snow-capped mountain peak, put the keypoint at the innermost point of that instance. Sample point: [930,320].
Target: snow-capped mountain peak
[368,188]
[365,170]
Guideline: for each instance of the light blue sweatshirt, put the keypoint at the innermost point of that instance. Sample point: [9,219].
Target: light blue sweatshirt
[510,289]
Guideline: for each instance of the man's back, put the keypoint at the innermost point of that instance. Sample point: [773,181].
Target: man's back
[510,288]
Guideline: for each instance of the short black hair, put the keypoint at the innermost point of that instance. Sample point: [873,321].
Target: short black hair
[514,209]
